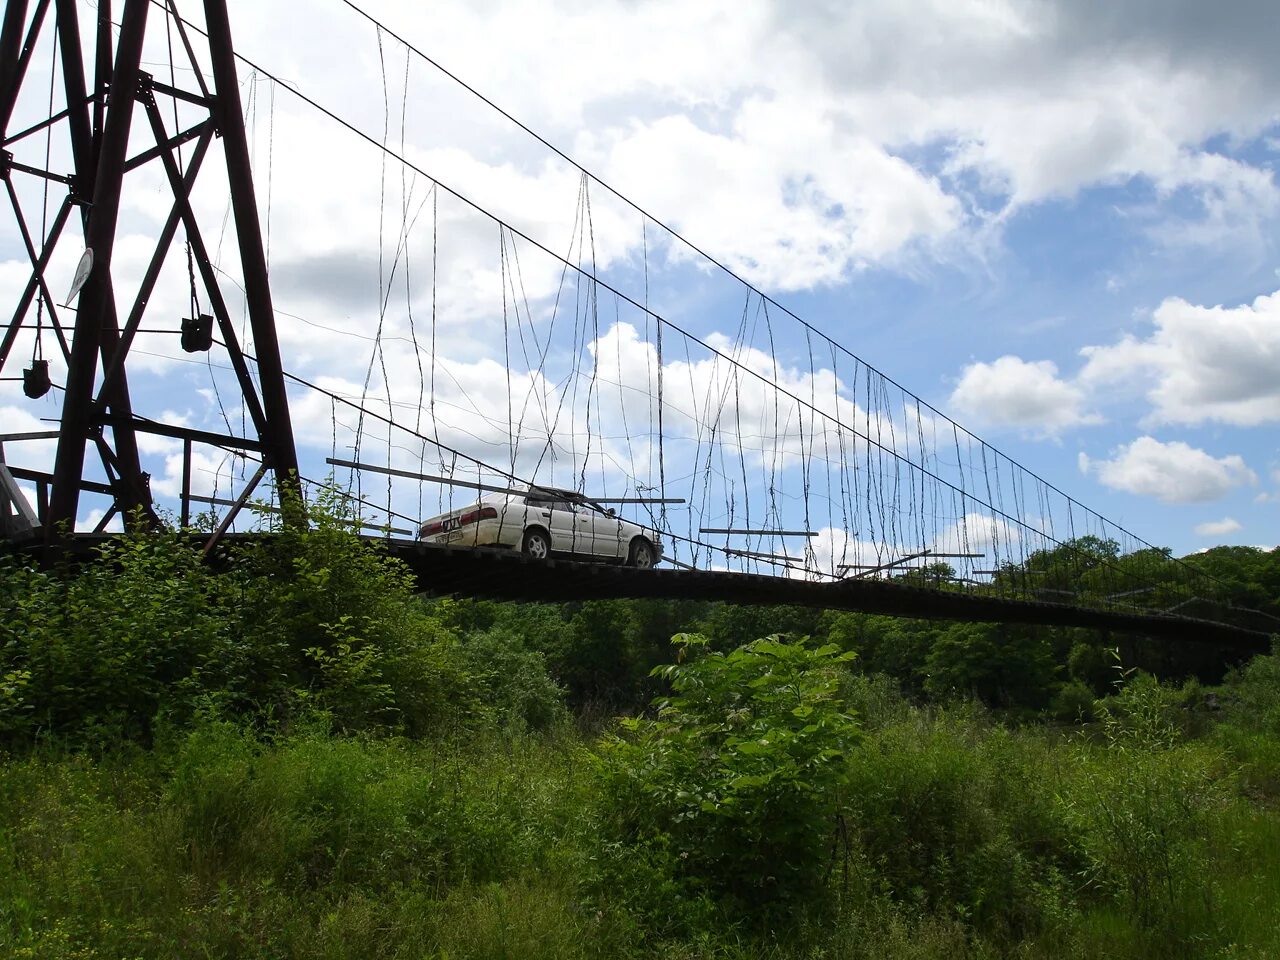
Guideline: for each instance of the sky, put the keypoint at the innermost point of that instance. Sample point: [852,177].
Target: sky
[1054,221]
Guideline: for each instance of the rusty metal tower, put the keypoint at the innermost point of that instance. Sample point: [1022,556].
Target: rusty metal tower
[96,120]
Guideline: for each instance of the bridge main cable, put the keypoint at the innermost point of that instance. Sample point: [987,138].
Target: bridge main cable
[719,264]
[995,511]
[372,141]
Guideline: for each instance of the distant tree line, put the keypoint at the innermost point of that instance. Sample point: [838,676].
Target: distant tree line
[602,651]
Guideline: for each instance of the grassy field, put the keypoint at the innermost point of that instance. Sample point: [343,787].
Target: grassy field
[964,839]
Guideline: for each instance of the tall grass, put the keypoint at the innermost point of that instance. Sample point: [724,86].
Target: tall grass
[229,846]
[965,839]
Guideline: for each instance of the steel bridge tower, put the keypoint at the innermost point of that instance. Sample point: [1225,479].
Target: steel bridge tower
[102,100]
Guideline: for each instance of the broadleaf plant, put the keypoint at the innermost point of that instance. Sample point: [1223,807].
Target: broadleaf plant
[740,772]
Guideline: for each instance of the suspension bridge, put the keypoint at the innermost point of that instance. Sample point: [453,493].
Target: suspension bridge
[774,464]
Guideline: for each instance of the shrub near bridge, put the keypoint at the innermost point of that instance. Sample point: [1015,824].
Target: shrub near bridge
[734,787]
[321,619]
[957,817]
[309,620]
[101,652]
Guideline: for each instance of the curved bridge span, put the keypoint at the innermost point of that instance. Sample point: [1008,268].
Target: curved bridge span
[502,575]
[509,576]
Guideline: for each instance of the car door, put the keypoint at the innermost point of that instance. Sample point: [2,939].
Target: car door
[609,536]
[570,528]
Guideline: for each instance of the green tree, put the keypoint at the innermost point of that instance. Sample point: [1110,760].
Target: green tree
[1063,568]
[1004,666]
[935,575]
[739,776]
[896,647]
[725,624]
[1249,577]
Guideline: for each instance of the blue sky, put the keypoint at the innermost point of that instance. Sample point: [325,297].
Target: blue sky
[1025,211]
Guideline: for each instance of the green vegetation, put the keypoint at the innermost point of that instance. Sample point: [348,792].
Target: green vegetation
[739,778]
[294,756]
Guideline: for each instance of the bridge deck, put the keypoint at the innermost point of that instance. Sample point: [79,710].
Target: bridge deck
[510,576]
[505,575]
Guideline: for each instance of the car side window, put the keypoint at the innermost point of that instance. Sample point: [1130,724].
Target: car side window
[548,503]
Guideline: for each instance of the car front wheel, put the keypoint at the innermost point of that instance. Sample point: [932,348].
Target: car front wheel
[642,555]
[536,545]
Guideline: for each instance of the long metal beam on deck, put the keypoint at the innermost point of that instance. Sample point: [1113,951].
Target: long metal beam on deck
[476,485]
[740,531]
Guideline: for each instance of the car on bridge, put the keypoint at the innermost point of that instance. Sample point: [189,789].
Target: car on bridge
[544,522]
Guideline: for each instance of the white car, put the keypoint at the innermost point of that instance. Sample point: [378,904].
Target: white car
[544,521]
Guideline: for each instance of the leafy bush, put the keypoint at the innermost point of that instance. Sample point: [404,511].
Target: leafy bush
[100,653]
[1092,665]
[1074,703]
[1141,808]
[308,620]
[738,779]
[875,699]
[1139,815]
[1153,714]
[514,681]
[1257,758]
[958,819]
[1252,695]
[323,619]
[1249,731]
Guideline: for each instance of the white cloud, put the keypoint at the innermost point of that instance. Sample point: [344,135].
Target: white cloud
[214,473]
[1273,496]
[1041,98]
[1172,472]
[995,537]
[1012,392]
[765,171]
[799,144]
[823,203]
[796,143]
[1204,363]
[1217,528]
[832,548]
[91,519]
[32,454]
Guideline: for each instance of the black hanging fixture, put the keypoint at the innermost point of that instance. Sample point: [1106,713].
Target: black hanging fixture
[197,333]
[35,379]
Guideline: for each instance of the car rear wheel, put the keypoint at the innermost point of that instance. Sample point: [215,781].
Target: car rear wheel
[642,554]
[536,545]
